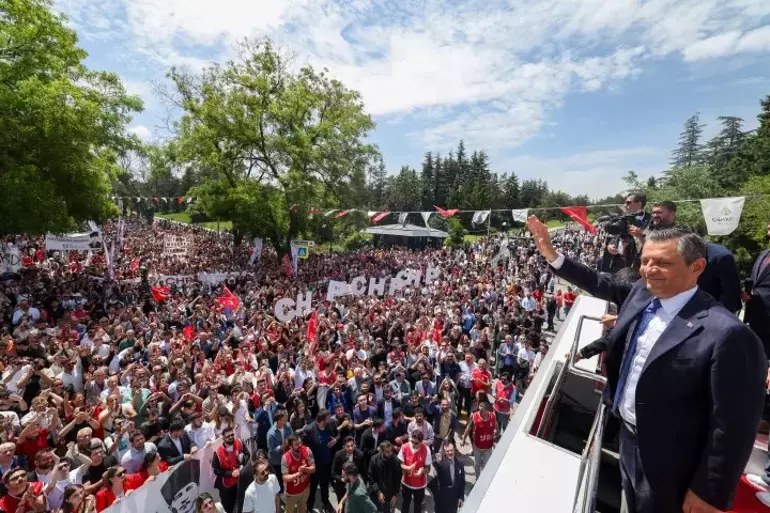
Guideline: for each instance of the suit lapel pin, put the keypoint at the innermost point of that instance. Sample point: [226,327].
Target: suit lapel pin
[689,325]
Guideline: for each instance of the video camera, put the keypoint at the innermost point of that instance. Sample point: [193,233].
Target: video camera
[618,223]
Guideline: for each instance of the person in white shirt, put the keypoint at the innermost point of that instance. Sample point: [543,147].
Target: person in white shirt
[200,431]
[263,495]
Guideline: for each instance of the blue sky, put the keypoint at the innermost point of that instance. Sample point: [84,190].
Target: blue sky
[575,92]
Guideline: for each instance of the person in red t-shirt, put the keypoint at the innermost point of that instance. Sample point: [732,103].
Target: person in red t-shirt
[569,300]
[484,425]
[22,496]
[32,440]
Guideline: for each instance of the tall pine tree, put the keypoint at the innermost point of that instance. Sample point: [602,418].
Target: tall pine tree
[689,151]
[428,198]
[511,191]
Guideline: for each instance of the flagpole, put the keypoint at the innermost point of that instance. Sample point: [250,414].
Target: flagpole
[489,225]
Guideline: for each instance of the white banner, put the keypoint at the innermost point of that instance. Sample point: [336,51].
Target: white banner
[294,256]
[425,217]
[256,253]
[73,241]
[722,215]
[480,216]
[175,490]
[10,258]
[177,245]
[520,215]
[402,218]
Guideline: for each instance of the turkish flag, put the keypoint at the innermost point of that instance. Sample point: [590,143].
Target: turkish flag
[229,300]
[160,294]
[448,212]
[287,266]
[379,216]
[189,333]
[312,327]
[340,213]
[580,216]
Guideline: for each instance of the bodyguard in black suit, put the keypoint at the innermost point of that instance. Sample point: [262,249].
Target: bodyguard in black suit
[449,484]
[720,278]
[348,453]
[167,447]
[757,314]
[685,376]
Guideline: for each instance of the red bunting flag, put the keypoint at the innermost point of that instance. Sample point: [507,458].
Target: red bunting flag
[155,200]
[160,294]
[189,333]
[580,216]
[340,213]
[379,217]
[448,212]
[179,201]
[229,300]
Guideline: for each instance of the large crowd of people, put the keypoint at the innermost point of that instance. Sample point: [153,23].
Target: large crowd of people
[112,373]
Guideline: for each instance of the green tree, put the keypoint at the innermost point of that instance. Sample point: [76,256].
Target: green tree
[689,151]
[753,158]
[404,191]
[456,233]
[62,125]
[271,141]
[378,182]
[428,180]
[511,191]
[532,193]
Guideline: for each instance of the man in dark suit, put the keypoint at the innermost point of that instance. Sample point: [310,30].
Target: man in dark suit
[720,278]
[757,314]
[176,446]
[685,377]
[449,485]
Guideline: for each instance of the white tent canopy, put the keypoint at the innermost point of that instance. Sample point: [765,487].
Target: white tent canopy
[406,230]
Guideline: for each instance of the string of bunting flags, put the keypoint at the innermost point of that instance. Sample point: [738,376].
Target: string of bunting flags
[157,200]
[721,214]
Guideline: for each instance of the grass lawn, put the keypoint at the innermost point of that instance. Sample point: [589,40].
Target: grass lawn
[554,223]
[184,217]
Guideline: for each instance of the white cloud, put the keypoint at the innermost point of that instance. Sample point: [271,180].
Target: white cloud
[490,71]
[729,43]
[141,131]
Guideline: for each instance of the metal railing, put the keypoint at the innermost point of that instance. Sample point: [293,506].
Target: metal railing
[559,380]
[590,459]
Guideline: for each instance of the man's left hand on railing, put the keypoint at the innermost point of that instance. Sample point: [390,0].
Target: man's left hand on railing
[608,320]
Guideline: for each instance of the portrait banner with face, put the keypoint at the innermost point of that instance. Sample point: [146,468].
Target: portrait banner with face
[175,490]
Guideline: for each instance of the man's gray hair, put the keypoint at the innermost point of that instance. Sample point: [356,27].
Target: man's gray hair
[689,244]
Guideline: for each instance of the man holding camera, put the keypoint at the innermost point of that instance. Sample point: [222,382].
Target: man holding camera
[624,249]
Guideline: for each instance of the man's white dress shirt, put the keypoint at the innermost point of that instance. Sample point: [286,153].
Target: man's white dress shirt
[669,308]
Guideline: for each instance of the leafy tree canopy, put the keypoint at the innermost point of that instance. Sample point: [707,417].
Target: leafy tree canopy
[271,141]
[63,125]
